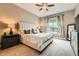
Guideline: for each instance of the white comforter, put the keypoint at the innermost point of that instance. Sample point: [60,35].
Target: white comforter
[37,39]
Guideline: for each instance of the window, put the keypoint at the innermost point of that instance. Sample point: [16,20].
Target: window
[52,25]
[55,25]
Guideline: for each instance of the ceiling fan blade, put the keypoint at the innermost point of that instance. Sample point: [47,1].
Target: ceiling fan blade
[40,9]
[51,5]
[37,5]
[46,9]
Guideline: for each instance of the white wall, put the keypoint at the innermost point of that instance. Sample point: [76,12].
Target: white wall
[10,13]
[68,19]
[77,10]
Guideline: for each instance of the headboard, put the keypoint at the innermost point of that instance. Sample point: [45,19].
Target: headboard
[26,26]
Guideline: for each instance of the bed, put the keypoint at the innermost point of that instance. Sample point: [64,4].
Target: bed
[37,41]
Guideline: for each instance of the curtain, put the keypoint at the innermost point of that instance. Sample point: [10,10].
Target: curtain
[43,24]
[61,25]
[54,24]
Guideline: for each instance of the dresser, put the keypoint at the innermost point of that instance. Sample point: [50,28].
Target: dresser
[10,40]
[75,42]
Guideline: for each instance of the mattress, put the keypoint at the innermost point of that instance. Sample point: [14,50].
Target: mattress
[36,47]
[37,39]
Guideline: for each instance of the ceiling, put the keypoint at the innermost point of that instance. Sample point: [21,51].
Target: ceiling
[59,7]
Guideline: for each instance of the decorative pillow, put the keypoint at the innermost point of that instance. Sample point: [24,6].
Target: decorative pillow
[32,30]
[35,31]
[38,31]
[26,31]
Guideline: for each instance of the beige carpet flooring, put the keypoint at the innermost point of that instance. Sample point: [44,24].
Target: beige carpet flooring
[57,48]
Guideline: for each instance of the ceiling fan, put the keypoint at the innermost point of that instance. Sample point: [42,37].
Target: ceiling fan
[44,6]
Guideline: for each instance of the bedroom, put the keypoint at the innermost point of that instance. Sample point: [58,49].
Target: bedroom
[40,32]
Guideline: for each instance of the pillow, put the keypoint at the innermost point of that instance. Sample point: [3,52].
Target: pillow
[35,31]
[26,31]
[38,31]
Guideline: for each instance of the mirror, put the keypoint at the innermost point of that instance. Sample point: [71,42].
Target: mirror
[70,28]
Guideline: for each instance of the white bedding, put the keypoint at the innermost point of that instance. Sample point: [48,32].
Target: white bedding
[37,39]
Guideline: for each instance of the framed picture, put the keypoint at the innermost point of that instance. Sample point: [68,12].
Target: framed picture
[70,28]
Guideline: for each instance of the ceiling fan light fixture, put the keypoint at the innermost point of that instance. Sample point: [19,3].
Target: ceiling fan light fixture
[44,6]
